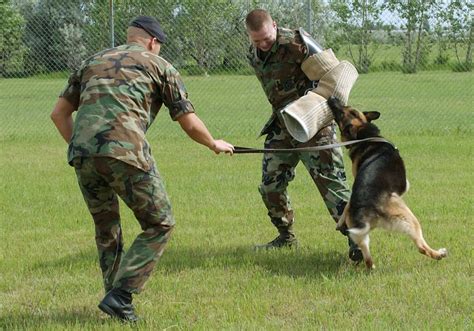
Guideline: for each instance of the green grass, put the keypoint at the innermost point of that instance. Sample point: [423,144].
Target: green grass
[209,277]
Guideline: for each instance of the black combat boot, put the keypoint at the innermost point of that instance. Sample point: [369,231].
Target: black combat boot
[286,238]
[117,303]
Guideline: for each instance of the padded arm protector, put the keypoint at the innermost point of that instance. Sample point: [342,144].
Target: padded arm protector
[306,116]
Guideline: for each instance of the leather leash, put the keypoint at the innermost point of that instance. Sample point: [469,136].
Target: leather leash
[247,150]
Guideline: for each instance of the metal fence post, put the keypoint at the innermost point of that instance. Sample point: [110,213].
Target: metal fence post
[111,22]
[309,17]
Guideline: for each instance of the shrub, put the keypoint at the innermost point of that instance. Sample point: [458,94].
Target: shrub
[462,67]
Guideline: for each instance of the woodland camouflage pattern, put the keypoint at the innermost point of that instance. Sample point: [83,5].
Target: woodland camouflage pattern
[101,179]
[118,93]
[279,72]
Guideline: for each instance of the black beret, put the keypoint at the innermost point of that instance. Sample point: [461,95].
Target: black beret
[150,25]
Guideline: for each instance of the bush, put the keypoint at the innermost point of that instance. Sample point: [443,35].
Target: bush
[441,59]
[192,70]
[390,66]
[462,67]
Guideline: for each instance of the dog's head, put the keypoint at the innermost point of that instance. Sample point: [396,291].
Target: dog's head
[352,123]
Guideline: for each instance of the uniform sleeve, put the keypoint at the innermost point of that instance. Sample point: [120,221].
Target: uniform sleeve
[72,90]
[175,95]
[294,46]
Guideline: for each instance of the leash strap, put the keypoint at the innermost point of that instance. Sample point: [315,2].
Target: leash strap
[247,150]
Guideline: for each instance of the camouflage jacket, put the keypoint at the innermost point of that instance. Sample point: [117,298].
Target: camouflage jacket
[118,93]
[279,71]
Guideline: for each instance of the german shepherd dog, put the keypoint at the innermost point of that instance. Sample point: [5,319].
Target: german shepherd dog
[379,182]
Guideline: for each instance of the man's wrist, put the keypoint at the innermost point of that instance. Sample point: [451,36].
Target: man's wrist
[213,145]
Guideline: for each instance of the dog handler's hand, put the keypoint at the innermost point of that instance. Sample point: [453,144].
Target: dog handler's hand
[222,146]
[197,131]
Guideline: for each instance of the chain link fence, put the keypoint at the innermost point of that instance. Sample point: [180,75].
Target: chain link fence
[395,45]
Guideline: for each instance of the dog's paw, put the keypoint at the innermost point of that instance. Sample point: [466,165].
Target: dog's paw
[443,252]
[369,264]
[370,267]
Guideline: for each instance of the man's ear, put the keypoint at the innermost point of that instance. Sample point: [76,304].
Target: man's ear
[371,115]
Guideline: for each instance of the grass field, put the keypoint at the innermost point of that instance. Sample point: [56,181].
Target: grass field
[209,277]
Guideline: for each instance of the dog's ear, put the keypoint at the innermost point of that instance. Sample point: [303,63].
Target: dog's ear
[371,115]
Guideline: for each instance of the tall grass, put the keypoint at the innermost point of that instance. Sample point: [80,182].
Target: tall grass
[209,277]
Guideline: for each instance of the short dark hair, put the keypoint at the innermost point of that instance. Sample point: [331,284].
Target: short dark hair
[256,19]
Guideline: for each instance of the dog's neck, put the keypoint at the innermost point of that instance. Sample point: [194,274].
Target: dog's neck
[369,130]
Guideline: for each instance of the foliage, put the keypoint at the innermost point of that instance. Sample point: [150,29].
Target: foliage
[292,14]
[208,37]
[206,40]
[72,45]
[459,17]
[357,20]
[48,23]
[97,25]
[415,15]
[12,50]
[440,37]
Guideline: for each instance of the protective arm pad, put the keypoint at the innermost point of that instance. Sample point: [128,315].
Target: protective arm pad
[335,77]
[317,65]
[338,82]
[306,116]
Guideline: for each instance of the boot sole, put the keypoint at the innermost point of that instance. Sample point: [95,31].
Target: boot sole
[109,311]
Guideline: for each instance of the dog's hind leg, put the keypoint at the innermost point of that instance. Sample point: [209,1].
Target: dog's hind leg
[342,224]
[361,237]
[407,187]
[402,219]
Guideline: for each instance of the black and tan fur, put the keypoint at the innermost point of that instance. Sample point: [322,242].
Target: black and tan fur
[379,183]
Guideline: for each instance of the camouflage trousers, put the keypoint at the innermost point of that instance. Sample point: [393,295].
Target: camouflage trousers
[325,167]
[102,180]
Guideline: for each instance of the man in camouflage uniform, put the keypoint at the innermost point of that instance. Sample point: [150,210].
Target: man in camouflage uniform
[117,94]
[276,54]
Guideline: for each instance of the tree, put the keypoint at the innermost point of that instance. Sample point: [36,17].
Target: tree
[357,20]
[12,50]
[441,36]
[72,45]
[415,15]
[96,27]
[206,32]
[43,36]
[460,33]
